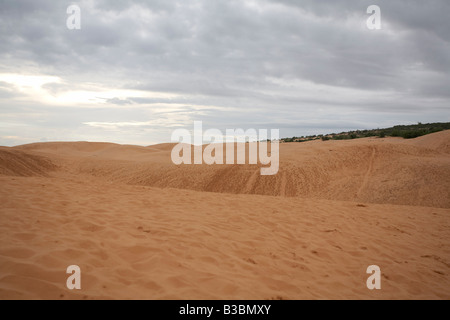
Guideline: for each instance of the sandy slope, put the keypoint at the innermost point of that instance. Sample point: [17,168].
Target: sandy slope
[395,171]
[140,227]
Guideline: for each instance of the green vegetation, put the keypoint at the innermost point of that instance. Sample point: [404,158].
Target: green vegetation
[405,131]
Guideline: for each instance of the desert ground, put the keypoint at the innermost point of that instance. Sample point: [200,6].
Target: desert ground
[141,227]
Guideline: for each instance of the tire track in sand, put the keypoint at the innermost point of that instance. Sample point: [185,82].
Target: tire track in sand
[251,182]
[283,184]
[368,173]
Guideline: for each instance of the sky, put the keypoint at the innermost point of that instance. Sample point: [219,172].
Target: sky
[137,70]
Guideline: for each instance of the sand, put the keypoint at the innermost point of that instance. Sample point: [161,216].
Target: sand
[140,227]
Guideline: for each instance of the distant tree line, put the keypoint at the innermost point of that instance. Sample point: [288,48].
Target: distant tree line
[403,131]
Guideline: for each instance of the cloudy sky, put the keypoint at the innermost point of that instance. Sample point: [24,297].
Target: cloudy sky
[137,70]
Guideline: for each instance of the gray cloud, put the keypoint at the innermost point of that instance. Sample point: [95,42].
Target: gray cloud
[298,65]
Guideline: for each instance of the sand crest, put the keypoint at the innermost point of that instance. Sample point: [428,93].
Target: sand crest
[142,228]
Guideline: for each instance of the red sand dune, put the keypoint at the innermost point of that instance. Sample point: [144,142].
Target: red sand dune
[142,227]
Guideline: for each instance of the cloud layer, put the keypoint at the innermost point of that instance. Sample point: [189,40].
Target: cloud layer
[138,69]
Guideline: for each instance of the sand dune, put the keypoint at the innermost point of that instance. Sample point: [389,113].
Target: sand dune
[140,227]
[395,171]
[17,163]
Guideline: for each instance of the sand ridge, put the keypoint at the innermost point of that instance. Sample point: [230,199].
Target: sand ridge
[391,170]
[142,228]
